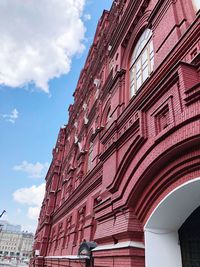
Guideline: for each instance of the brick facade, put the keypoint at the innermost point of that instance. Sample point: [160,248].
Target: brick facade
[120,156]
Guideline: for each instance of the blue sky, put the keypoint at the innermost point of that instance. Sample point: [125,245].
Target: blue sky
[33,103]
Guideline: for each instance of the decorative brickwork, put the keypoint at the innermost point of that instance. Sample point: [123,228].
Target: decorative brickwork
[122,154]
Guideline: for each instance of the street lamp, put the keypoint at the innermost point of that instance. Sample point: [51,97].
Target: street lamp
[2,213]
[1,225]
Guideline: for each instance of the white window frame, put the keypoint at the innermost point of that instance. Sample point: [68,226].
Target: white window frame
[108,118]
[141,62]
[90,157]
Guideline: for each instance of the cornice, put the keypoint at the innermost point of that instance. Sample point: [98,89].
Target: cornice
[137,143]
[117,140]
[134,7]
[187,162]
[192,94]
[159,10]
[196,60]
[109,84]
[92,112]
[89,183]
[107,133]
[53,169]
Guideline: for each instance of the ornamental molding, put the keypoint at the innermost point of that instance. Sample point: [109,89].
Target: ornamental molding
[109,84]
[135,11]
[88,184]
[159,10]
[184,165]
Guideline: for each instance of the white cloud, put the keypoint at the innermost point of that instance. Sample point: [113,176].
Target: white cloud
[32,196]
[12,116]
[38,40]
[18,210]
[87,17]
[33,213]
[36,170]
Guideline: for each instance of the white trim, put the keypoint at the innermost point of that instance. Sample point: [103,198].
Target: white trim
[161,229]
[119,245]
[160,203]
[71,257]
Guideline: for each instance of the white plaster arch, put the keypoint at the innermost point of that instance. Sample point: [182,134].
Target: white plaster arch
[162,246]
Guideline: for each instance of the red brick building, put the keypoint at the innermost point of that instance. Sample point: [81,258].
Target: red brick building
[125,172]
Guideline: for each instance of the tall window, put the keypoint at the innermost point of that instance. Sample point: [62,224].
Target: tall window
[142,61]
[90,157]
[108,118]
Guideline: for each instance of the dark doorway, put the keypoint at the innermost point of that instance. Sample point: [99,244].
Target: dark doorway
[189,236]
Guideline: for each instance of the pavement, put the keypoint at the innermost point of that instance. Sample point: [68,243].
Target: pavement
[12,264]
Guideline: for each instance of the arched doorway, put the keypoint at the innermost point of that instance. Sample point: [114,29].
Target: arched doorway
[166,242]
[189,237]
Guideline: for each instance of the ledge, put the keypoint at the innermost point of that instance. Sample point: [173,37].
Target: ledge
[71,257]
[120,245]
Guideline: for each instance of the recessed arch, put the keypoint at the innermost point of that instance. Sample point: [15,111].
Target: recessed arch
[135,35]
[106,109]
[89,146]
[129,45]
[142,61]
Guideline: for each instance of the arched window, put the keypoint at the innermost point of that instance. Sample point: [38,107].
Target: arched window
[108,118]
[142,61]
[90,157]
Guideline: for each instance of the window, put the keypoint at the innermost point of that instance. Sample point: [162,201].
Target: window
[90,157]
[189,237]
[108,119]
[142,61]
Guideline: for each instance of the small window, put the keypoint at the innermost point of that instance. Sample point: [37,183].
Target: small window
[142,61]
[90,157]
[108,119]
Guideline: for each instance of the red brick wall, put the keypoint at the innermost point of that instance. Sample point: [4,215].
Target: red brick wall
[149,146]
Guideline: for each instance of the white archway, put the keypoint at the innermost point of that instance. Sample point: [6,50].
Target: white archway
[161,230]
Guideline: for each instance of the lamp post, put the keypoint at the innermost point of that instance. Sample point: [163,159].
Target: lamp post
[2,213]
[1,226]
